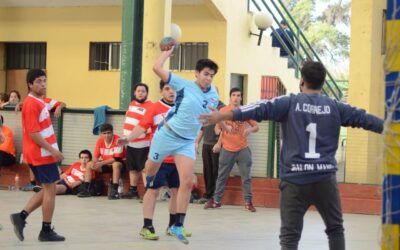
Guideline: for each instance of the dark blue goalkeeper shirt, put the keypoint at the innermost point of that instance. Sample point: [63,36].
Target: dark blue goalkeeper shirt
[310,126]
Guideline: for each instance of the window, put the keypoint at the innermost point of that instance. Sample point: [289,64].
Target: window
[187,54]
[25,55]
[105,56]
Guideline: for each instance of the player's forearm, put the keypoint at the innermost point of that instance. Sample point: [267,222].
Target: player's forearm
[39,140]
[135,133]
[158,67]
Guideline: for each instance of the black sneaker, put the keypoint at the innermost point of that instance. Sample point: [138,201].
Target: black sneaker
[50,236]
[84,193]
[131,194]
[113,195]
[19,225]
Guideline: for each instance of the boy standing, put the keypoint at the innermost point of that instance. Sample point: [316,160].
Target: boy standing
[40,151]
[311,126]
[180,128]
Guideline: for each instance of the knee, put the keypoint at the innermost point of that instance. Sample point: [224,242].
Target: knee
[186,183]
[151,168]
[117,165]
[152,192]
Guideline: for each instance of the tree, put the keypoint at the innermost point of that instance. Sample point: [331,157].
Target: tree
[321,28]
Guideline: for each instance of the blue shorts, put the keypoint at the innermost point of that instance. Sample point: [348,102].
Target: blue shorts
[166,142]
[46,174]
[167,175]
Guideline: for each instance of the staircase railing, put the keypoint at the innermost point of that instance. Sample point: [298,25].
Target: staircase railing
[302,47]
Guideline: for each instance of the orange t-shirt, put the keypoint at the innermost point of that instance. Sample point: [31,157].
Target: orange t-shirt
[8,145]
[235,141]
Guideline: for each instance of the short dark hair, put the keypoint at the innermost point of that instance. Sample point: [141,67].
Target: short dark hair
[283,22]
[313,74]
[33,74]
[106,127]
[206,63]
[162,84]
[137,85]
[4,97]
[235,90]
[86,152]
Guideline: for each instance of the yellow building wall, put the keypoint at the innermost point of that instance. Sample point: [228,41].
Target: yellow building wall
[366,89]
[156,25]
[245,57]
[198,24]
[67,32]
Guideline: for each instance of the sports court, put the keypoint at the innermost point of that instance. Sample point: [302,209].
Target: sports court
[97,223]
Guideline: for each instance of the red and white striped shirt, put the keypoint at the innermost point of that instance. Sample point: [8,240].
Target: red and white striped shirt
[106,152]
[74,174]
[36,118]
[51,103]
[134,114]
[153,117]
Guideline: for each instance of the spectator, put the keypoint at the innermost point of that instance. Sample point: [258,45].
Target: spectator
[234,149]
[3,99]
[74,175]
[137,149]
[7,148]
[284,28]
[14,99]
[210,157]
[108,158]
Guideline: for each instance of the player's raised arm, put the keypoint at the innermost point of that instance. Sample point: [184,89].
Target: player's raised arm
[158,66]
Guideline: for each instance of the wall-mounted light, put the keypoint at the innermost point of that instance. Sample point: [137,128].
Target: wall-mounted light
[263,21]
[176,31]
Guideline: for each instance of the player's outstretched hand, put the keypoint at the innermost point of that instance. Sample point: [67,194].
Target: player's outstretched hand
[214,117]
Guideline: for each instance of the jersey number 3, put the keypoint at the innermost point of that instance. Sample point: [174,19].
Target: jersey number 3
[312,141]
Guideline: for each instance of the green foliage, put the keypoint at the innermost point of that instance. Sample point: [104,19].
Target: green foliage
[321,27]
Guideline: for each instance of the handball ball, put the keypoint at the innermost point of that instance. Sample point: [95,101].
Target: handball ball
[167,43]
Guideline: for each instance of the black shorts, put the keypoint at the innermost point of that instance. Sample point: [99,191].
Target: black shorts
[109,169]
[69,190]
[6,159]
[167,175]
[136,158]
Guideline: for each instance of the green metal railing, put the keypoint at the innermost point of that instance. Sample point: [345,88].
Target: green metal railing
[301,45]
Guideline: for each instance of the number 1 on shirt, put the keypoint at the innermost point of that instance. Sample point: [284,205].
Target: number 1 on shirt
[312,141]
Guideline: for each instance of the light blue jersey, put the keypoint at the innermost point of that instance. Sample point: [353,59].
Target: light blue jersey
[190,102]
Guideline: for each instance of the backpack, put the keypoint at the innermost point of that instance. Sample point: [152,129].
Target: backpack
[96,187]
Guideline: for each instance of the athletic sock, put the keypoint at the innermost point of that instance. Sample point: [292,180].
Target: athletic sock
[172,219]
[115,186]
[46,226]
[86,185]
[24,214]
[133,188]
[33,183]
[148,223]
[180,218]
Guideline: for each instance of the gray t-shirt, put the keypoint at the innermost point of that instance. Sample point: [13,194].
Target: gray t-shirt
[310,126]
[209,136]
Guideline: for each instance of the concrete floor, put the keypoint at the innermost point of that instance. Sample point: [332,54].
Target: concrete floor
[97,223]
